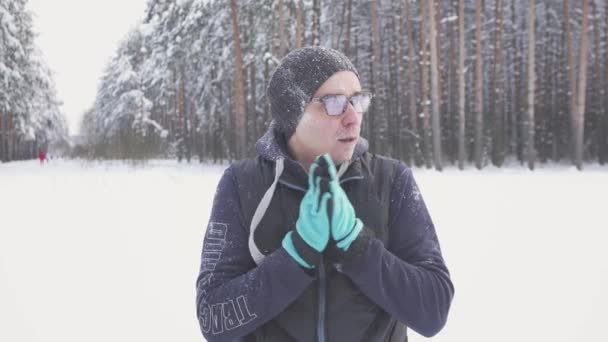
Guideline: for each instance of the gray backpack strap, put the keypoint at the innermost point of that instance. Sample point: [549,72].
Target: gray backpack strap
[261,209]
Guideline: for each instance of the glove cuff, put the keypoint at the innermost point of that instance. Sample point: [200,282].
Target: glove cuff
[345,242]
[309,255]
[357,248]
[289,246]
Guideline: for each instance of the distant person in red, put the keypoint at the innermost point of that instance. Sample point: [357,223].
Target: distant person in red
[42,156]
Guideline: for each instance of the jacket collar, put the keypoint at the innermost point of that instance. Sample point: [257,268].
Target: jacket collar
[272,145]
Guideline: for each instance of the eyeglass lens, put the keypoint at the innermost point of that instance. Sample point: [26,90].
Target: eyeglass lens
[336,104]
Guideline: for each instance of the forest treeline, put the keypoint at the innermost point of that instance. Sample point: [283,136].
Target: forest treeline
[455,82]
[30,115]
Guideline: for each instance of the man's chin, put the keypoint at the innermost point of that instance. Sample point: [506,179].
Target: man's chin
[339,158]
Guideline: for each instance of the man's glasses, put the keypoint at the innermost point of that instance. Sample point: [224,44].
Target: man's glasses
[336,104]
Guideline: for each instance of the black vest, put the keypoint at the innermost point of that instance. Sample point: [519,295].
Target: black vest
[350,315]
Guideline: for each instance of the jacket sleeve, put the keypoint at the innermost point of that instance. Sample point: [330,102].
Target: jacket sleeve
[408,278]
[233,295]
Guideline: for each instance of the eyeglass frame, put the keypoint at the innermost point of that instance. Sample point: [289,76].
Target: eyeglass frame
[320,100]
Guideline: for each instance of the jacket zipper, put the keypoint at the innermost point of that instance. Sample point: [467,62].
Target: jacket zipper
[321,332]
[322,298]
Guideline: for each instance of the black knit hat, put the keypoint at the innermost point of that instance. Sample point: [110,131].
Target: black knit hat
[296,79]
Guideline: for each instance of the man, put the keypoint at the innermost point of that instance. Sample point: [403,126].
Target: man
[291,256]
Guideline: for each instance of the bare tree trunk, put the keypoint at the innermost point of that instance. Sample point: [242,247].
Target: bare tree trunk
[282,38]
[14,142]
[554,114]
[10,138]
[2,137]
[187,124]
[316,22]
[413,136]
[239,86]
[541,97]
[479,143]
[402,35]
[596,108]
[530,157]
[437,22]
[604,121]
[377,76]
[394,98]
[267,115]
[252,112]
[274,32]
[355,51]
[571,77]
[300,24]
[349,9]
[516,88]
[451,109]
[461,86]
[497,88]
[184,115]
[375,31]
[333,24]
[426,132]
[436,119]
[176,117]
[582,84]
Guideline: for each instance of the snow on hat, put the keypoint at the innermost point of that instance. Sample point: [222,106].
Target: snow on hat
[296,79]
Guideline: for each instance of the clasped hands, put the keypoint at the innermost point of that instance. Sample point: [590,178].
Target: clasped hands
[326,215]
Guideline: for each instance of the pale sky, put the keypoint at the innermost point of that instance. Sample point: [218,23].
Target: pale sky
[77,38]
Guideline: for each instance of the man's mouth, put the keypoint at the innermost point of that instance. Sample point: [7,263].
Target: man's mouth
[347,140]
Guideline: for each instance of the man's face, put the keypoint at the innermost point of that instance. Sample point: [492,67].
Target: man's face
[319,133]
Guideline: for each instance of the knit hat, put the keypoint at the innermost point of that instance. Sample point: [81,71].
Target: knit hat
[297,78]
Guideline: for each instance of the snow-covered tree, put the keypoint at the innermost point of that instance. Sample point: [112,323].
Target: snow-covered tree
[30,117]
[470,61]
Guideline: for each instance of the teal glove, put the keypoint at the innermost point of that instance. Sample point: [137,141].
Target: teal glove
[345,226]
[311,235]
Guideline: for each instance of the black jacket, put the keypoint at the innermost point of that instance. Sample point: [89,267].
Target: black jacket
[393,275]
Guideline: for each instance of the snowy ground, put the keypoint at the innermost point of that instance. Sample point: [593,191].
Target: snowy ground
[109,252]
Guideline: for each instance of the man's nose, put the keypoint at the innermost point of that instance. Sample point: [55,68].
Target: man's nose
[350,116]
